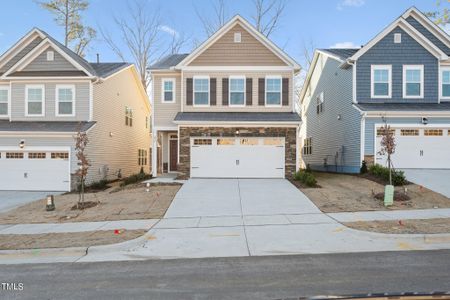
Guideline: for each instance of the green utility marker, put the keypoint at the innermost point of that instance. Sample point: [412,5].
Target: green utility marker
[388,195]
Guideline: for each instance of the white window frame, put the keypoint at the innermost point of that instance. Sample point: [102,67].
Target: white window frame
[64,86]
[441,83]
[35,86]
[229,91]
[281,90]
[8,102]
[237,37]
[413,67]
[50,55]
[193,91]
[373,68]
[164,80]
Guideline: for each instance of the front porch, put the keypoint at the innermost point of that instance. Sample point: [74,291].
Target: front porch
[166,156]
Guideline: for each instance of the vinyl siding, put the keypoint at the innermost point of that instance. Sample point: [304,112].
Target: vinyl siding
[113,146]
[20,55]
[81,102]
[249,52]
[370,127]
[386,52]
[330,135]
[41,63]
[166,112]
[430,36]
[254,107]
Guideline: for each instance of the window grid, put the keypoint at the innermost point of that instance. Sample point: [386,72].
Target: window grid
[35,100]
[319,103]
[445,89]
[66,98]
[237,91]
[413,81]
[142,157]
[201,91]
[3,102]
[168,90]
[37,155]
[128,117]
[273,91]
[225,142]
[381,81]
[409,132]
[202,142]
[380,132]
[59,155]
[14,155]
[307,146]
[433,132]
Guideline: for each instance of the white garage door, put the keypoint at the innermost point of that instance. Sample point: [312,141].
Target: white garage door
[237,157]
[418,148]
[37,170]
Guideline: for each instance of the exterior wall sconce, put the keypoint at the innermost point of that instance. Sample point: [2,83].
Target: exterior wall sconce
[50,203]
[237,132]
[424,121]
[339,117]
[111,134]
[22,144]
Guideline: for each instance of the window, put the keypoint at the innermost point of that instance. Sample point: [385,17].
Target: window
[3,101]
[319,103]
[409,132]
[381,81]
[65,100]
[237,37]
[237,91]
[226,142]
[128,116]
[397,38]
[445,89]
[168,91]
[433,132]
[413,81]
[142,157]
[249,142]
[50,55]
[273,142]
[37,155]
[307,146]
[380,131]
[202,142]
[60,155]
[34,97]
[273,91]
[14,155]
[201,91]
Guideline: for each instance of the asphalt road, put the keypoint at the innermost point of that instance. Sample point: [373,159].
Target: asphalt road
[274,277]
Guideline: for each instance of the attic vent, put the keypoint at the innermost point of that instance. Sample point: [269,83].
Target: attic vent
[50,55]
[237,37]
[397,38]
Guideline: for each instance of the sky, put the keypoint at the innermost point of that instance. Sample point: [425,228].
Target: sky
[322,23]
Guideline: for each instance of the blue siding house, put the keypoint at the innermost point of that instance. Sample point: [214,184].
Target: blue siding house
[400,78]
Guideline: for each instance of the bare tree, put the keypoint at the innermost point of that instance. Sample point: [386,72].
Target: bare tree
[177,42]
[67,13]
[387,146]
[81,141]
[211,23]
[139,29]
[267,15]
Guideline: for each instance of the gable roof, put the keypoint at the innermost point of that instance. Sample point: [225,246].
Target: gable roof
[168,61]
[252,30]
[341,53]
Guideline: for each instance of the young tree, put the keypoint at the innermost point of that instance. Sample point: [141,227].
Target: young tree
[387,146]
[440,16]
[67,13]
[81,141]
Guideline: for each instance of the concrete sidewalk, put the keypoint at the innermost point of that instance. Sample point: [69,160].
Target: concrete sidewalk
[392,215]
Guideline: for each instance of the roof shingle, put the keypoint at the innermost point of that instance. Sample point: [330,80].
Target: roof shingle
[168,61]
[342,53]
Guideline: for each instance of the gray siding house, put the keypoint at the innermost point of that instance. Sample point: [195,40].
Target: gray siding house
[400,78]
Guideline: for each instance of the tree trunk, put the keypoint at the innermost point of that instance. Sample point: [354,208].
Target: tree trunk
[66,38]
[390,170]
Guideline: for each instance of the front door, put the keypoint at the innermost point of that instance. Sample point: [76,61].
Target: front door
[173,155]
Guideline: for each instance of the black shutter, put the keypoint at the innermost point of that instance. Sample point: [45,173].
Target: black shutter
[225,91]
[249,92]
[189,91]
[261,91]
[212,91]
[285,95]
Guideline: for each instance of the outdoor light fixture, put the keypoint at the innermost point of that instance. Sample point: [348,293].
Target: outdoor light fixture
[50,203]
[424,121]
[237,132]
[339,117]
[22,144]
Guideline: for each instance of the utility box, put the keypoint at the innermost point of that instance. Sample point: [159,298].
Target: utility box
[388,195]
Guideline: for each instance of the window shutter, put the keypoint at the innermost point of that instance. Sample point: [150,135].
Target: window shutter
[285,96]
[249,91]
[189,91]
[225,91]
[212,91]
[261,91]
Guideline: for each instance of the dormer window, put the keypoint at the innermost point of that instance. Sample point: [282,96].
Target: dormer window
[237,37]
[50,55]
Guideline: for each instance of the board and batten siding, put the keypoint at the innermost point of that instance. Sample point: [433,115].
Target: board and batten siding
[386,52]
[59,63]
[249,52]
[81,101]
[20,55]
[165,112]
[113,146]
[255,107]
[329,134]
[369,148]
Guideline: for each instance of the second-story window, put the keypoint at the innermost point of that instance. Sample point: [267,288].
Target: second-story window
[237,91]
[445,89]
[128,117]
[34,97]
[3,101]
[319,103]
[381,84]
[273,91]
[168,91]
[413,81]
[65,100]
[201,91]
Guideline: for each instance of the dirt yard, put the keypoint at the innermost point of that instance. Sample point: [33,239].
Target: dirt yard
[63,240]
[130,202]
[406,226]
[348,193]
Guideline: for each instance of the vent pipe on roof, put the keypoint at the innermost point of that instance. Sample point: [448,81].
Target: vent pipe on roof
[98,58]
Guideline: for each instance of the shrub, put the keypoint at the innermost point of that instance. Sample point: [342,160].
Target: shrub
[305,177]
[99,185]
[135,178]
[398,177]
[363,169]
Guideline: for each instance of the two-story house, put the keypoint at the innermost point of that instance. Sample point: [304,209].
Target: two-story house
[226,109]
[401,78]
[47,95]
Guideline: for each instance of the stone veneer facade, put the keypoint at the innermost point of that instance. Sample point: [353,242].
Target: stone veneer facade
[289,133]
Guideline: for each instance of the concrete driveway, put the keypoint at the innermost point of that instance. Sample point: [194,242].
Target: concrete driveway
[12,199]
[433,179]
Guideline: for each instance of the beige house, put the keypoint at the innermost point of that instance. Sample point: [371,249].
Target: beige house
[47,94]
[226,109]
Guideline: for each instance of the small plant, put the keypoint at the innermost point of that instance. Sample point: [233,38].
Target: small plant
[99,185]
[135,178]
[306,177]
[363,169]
[398,177]
[81,142]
